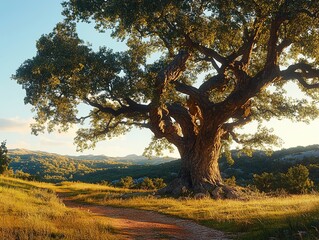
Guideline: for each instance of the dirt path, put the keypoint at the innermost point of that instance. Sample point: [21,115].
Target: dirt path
[147,225]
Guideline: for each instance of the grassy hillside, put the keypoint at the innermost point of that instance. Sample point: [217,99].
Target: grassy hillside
[56,168]
[261,217]
[30,211]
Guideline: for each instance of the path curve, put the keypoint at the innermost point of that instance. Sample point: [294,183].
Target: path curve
[148,225]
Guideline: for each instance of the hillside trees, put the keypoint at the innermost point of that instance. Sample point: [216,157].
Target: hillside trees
[4,158]
[296,180]
[220,65]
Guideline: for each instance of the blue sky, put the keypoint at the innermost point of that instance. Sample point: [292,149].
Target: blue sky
[21,24]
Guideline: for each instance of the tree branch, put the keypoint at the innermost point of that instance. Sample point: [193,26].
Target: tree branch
[300,72]
[133,107]
[205,50]
[192,92]
[181,115]
[161,123]
[217,81]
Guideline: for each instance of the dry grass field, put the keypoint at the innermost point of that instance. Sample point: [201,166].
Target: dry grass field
[32,211]
[263,217]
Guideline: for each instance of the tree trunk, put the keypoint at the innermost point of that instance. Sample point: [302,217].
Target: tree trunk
[200,172]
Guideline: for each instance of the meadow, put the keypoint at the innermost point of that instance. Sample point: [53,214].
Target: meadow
[261,217]
[32,211]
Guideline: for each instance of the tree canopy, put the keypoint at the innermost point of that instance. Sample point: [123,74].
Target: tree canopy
[194,71]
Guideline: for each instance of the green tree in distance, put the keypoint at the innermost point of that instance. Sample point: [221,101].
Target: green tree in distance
[220,65]
[4,158]
[297,179]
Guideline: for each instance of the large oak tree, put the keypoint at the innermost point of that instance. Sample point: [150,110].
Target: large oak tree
[219,65]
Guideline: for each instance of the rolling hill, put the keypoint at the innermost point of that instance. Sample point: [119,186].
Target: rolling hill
[95,168]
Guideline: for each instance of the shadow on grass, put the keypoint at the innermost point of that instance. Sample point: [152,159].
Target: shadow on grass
[293,227]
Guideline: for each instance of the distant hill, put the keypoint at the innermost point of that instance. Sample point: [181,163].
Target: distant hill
[244,166]
[55,168]
[129,159]
[95,168]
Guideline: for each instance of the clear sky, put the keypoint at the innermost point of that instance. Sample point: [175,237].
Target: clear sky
[21,24]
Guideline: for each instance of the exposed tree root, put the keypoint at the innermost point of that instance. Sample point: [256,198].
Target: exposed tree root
[182,188]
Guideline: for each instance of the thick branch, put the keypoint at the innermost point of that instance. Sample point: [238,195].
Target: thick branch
[133,107]
[181,115]
[192,92]
[240,122]
[208,52]
[300,72]
[162,125]
[216,81]
[170,73]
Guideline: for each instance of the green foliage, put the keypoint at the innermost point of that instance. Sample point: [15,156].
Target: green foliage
[25,176]
[126,182]
[240,56]
[296,180]
[156,147]
[151,184]
[159,183]
[56,168]
[230,181]
[147,183]
[4,158]
[265,182]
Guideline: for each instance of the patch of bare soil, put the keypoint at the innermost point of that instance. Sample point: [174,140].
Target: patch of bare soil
[148,225]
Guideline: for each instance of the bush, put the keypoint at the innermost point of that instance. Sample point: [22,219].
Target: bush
[146,184]
[264,182]
[126,182]
[141,183]
[159,183]
[295,181]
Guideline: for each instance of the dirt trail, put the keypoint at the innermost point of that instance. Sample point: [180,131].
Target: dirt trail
[148,225]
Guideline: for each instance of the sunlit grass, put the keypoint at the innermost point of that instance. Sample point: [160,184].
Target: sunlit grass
[30,211]
[256,218]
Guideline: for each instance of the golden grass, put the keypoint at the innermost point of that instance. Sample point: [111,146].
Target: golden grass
[257,215]
[29,211]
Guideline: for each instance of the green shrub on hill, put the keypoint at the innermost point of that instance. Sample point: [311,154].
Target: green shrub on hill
[296,180]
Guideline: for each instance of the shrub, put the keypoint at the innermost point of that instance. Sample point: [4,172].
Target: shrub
[264,182]
[297,180]
[159,183]
[147,183]
[126,182]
